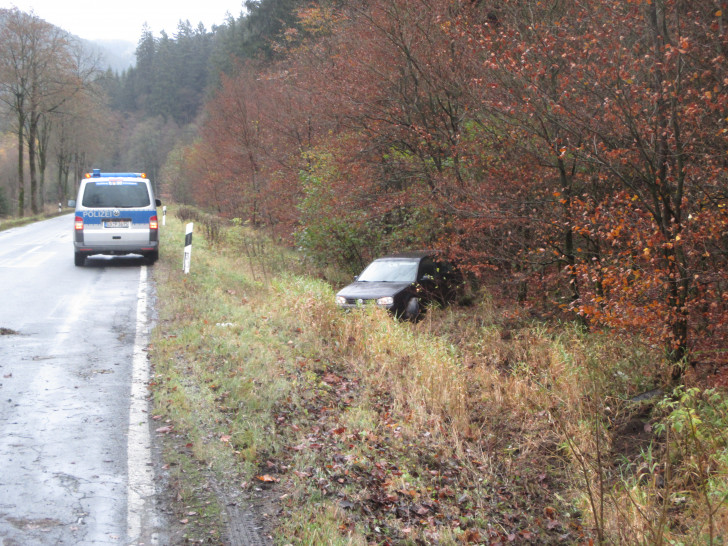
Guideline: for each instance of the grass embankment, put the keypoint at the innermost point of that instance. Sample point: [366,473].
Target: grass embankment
[473,425]
[14,221]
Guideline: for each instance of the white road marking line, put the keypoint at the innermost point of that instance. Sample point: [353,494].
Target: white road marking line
[140,516]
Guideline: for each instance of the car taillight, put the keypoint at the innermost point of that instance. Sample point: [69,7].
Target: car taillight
[153,223]
[79,223]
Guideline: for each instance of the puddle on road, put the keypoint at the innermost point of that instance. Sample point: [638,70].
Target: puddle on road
[68,482]
[88,374]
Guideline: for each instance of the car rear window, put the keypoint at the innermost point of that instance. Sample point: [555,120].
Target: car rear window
[118,195]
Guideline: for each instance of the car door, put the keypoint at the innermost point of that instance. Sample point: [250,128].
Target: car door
[427,279]
[438,280]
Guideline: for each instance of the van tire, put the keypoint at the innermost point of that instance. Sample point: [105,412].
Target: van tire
[152,257]
[79,258]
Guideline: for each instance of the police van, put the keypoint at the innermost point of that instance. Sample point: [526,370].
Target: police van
[116,214]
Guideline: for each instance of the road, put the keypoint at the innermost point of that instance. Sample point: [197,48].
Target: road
[75,459]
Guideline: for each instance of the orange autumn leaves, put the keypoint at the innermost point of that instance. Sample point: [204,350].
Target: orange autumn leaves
[574,155]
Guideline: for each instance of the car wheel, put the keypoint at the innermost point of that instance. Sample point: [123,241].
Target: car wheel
[412,310]
[152,257]
[79,258]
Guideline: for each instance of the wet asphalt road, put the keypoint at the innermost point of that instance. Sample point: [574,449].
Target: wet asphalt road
[67,465]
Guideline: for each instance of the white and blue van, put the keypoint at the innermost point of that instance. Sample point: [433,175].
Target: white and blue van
[116,214]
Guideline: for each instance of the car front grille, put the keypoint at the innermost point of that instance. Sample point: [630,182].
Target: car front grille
[358,301]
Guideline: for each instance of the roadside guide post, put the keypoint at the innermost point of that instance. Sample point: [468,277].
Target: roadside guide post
[188,249]
[164,215]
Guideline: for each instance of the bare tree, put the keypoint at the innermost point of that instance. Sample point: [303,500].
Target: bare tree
[76,128]
[68,86]
[41,68]
[15,45]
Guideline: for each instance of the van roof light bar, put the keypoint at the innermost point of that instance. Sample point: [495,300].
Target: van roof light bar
[96,173]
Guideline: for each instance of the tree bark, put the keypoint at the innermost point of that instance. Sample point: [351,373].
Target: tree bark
[21,173]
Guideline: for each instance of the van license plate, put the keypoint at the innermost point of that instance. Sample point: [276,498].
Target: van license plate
[116,224]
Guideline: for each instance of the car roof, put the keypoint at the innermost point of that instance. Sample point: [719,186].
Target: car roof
[409,254]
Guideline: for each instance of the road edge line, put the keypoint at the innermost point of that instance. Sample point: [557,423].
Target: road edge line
[141,520]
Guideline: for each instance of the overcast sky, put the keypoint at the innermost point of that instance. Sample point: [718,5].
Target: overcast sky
[124,19]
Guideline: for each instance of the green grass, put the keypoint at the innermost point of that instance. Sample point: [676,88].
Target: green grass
[477,424]
[212,353]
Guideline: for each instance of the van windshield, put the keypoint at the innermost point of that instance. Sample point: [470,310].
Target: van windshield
[117,195]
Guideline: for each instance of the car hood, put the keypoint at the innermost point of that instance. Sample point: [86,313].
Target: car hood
[372,290]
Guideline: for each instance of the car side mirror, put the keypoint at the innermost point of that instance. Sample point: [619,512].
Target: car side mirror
[158,202]
[72,203]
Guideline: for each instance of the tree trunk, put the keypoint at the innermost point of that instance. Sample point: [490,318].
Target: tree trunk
[669,196]
[31,165]
[44,135]
[569,250]
[21,173]
[32,136]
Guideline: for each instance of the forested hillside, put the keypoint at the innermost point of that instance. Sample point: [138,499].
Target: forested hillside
[572,155]
[569,156]
[131,120]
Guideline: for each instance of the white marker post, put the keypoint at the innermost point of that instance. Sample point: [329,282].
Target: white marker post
[164,215]
[188,249]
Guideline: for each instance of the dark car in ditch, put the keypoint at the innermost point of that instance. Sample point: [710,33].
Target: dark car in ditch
[403,283]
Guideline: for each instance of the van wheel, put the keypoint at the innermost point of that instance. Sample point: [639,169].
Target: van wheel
[79,258]
[152,257]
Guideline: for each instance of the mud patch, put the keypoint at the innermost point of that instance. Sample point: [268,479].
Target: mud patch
[249,517]
[200,506]
[34,524]
[633,435]
[8,332]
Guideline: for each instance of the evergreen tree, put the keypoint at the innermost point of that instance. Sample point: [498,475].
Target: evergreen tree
[173,75]
[145,52]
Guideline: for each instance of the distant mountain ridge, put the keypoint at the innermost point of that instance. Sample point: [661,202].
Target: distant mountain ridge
[119,55]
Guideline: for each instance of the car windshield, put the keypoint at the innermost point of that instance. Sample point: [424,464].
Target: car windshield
[390,271]
[124,195]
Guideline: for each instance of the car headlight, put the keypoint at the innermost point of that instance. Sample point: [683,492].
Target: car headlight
[340,300]
[386,301]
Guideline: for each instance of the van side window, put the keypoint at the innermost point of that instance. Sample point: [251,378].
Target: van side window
[116,195]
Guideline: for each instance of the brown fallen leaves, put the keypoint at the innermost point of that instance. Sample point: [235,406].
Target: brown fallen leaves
[396,486]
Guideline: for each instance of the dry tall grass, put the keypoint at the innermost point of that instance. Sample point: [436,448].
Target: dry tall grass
[554,394]
[519,402]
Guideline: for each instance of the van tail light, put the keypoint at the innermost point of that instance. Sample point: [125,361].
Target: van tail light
[78,223]
[153,223]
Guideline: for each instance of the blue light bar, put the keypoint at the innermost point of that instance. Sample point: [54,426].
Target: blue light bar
[98,174]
